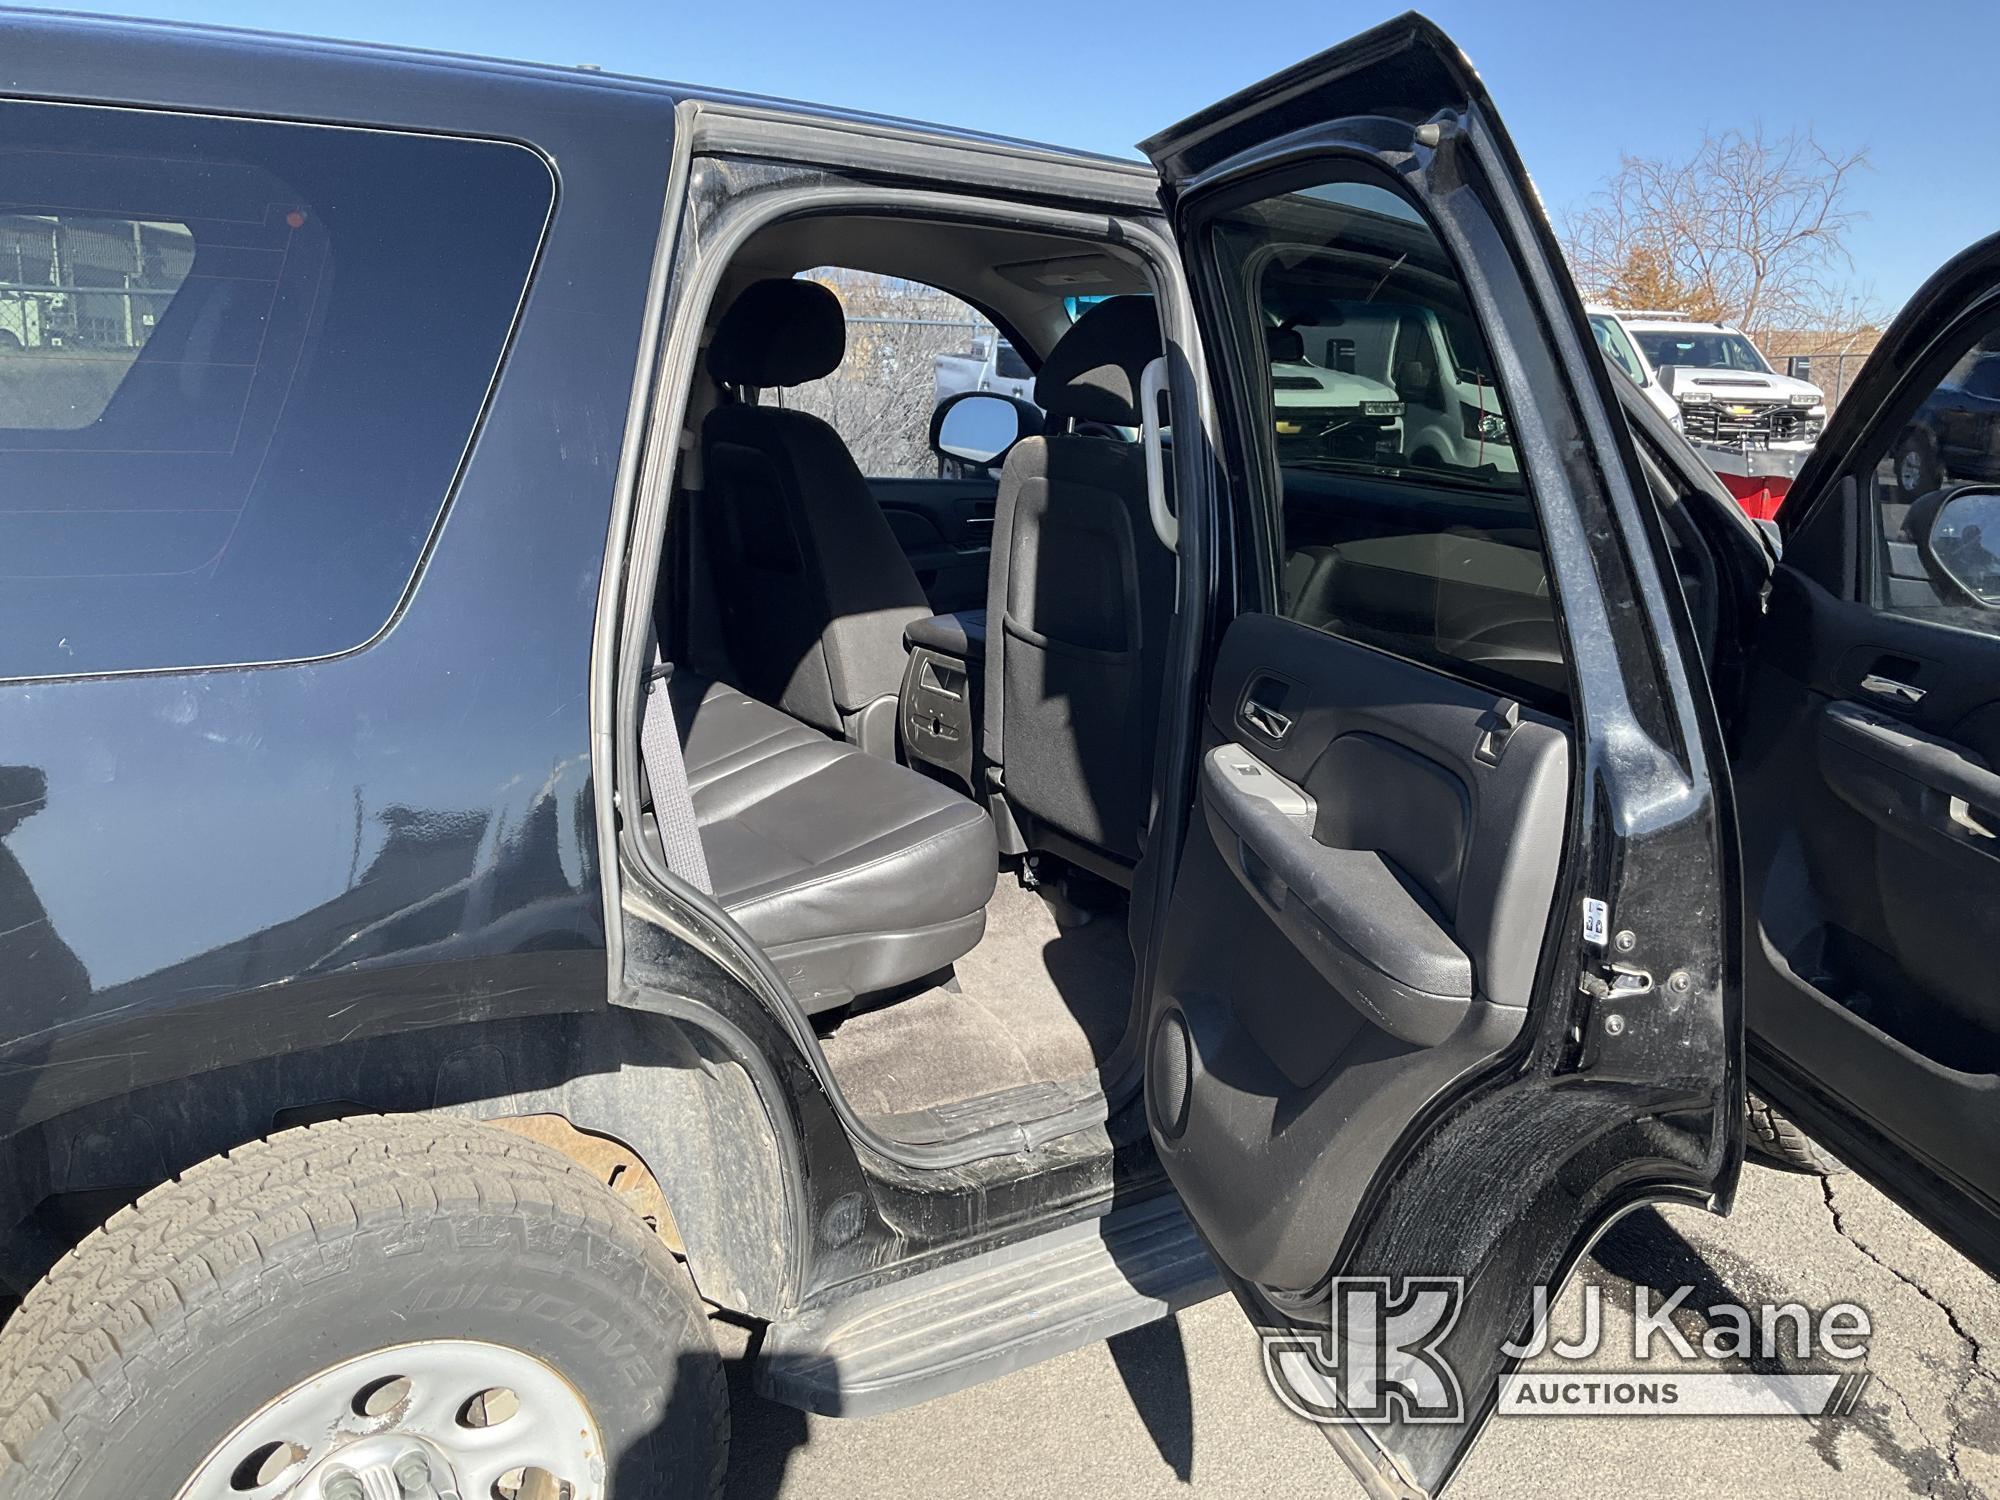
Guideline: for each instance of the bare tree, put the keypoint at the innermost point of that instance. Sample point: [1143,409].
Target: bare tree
[880,399]
[1750,229]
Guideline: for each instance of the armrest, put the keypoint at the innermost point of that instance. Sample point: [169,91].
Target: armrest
[962,635]
[1349,911]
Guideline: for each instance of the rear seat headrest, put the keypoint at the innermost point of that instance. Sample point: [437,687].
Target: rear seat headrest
[779,332]
[1092,374]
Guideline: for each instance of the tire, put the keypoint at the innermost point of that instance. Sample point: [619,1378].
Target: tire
[1775,1140]
[131,1365]
[1917,471]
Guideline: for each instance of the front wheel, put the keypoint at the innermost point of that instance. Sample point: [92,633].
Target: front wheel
[379,1306]
[1916,464]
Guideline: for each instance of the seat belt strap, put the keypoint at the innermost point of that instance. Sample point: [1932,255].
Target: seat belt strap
[666,774]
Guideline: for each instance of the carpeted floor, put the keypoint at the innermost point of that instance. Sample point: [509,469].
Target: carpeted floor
[1036,1003]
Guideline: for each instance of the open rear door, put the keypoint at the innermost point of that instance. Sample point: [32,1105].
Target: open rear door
[1449,977]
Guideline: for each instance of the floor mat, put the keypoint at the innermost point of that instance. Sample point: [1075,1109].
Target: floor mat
[1036,1003]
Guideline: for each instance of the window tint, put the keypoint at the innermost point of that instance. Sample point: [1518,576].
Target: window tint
[1372,402]
[908,347]
[1937,558]
[239,365]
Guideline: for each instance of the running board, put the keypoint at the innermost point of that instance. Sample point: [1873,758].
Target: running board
[975,1320]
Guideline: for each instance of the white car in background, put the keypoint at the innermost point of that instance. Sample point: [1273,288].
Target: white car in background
[1753,426]
[1398,367]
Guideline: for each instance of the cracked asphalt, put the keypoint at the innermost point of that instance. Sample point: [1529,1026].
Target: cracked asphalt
[1182,1406]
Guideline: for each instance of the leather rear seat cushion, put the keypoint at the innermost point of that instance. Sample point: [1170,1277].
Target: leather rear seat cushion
[811,839]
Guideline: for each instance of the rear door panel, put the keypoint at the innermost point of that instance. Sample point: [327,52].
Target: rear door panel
[1414,866]
[1383,1038]
[945,528]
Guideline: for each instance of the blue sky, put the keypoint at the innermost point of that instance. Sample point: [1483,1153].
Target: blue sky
[1578,83]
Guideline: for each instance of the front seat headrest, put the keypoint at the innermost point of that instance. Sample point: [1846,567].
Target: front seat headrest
[1287,346]
[779,332]
[1092,374]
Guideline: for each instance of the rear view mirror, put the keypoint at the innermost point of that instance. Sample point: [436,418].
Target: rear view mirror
[1961,544]
[976,428]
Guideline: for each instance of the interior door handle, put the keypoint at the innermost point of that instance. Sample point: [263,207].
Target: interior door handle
[1892,690]
[1268,722]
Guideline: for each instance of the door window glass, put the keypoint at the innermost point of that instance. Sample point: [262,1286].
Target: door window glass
[1936,552]
[1372,403]
[1614,346]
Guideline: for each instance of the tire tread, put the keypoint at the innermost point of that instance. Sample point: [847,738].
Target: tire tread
[311,1188]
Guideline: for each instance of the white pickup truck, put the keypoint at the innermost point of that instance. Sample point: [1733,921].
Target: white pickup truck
[992,364]
[1753,426]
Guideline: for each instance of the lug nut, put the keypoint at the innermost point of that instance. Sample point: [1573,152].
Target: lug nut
[413,1472]
[342,1484]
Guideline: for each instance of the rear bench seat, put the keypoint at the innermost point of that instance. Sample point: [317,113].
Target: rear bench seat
[853,873]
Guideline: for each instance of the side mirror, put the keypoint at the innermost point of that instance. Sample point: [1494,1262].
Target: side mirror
[1959,540]
[974,429]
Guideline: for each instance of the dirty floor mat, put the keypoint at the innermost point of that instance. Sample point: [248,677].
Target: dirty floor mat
[1036,1003]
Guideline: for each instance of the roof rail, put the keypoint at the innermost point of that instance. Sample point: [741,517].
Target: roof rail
[1664,314]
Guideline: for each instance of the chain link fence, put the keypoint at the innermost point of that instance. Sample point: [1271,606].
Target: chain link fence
[1832,370]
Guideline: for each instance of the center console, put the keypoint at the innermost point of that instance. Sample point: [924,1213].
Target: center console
[942,688]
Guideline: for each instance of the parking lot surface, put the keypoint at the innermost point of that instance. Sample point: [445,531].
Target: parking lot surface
[1182,1405]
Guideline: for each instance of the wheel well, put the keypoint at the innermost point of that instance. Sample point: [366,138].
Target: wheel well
[652,1107]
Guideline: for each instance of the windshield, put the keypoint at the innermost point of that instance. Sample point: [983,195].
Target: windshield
[1706,351]
[1614,346]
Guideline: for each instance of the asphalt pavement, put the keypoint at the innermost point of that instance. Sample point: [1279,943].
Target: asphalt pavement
[1182,1406]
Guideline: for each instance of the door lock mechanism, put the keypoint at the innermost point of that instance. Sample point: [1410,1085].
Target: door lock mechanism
[1616,982]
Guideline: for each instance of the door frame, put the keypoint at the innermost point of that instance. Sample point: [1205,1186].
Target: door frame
[932,176]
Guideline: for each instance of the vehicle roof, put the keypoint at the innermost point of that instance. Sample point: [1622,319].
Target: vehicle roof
[585,77]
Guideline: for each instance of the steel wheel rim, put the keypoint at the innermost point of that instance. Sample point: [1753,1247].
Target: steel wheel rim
[1912,473]
[462,1418]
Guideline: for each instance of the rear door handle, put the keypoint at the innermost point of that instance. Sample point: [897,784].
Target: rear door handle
[1268,722]
[1890,689]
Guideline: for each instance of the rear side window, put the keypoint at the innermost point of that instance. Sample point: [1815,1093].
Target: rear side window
[240,363]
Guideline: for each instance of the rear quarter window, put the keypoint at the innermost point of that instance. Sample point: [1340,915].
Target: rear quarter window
[240,365]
